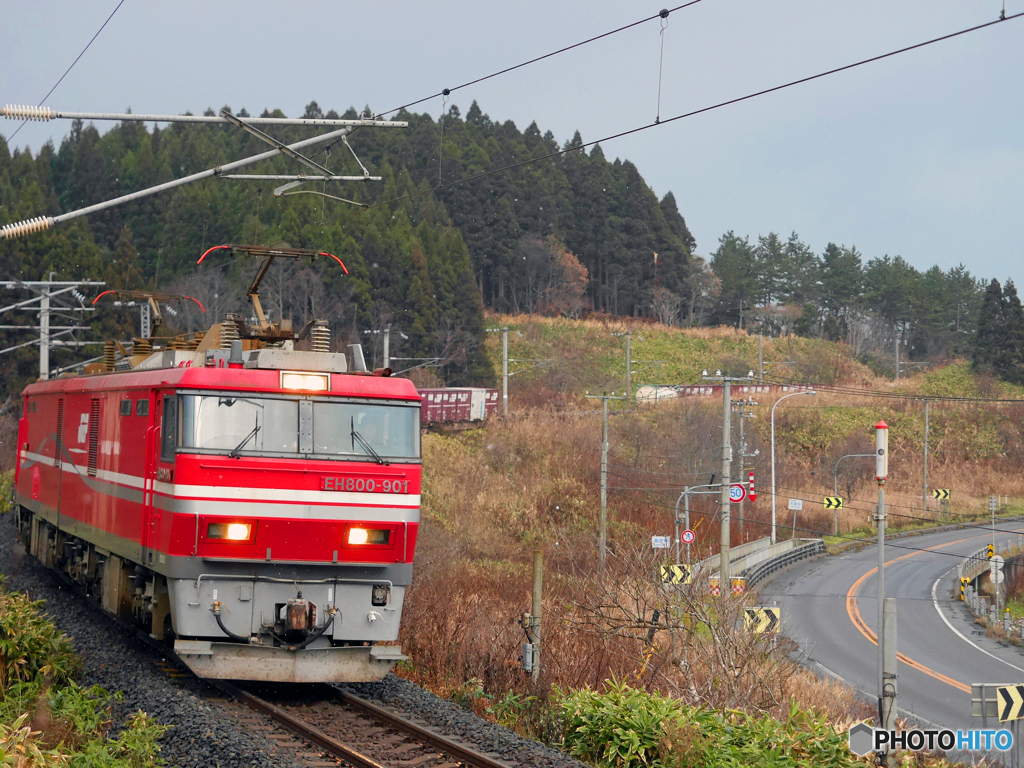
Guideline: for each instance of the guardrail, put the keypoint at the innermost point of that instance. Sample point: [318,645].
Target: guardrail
[759,572]
[972,566]
[756,560]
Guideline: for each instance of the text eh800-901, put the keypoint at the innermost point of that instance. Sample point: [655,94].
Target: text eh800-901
[363,485]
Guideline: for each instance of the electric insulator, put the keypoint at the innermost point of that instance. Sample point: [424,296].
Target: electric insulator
[142,347]
[109,356]
[24,112]
[320,337]
[28,227]
[229,330]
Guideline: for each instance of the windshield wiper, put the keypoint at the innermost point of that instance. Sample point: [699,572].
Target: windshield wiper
[236,452]
[366,446]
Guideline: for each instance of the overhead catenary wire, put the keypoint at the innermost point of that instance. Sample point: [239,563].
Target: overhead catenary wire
[535,59]
[61,79]
[685,115]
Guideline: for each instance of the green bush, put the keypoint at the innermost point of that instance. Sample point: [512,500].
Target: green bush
[37,667]
[31,647]
[628,728]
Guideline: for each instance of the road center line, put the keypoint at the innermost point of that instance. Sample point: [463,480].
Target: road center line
[858,621]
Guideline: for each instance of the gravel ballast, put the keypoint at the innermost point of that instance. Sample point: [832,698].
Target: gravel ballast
[449,719]
[204,733]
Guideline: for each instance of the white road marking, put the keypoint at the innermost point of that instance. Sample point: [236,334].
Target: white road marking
[958,633]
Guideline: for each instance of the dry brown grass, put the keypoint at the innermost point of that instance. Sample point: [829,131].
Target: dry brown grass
[494,495]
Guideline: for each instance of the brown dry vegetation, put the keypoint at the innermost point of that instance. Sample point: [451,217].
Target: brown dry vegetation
[495,494]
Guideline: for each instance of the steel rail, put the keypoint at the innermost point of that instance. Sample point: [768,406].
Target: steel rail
[460,752]
[308,732]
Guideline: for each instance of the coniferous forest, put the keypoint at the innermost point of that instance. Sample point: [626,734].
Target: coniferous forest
[572,234]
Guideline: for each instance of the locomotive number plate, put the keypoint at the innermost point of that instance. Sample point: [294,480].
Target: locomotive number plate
[364,485]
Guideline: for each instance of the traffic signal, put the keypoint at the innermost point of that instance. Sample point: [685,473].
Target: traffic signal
[991,551]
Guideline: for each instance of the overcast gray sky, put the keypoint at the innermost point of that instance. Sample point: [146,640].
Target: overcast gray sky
[920,155]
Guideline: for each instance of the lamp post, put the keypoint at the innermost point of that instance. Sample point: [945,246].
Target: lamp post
[810,392]
[835,483]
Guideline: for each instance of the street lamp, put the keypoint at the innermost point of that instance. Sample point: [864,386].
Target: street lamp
[810,392]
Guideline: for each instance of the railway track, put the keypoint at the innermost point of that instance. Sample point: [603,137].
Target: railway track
[359,733]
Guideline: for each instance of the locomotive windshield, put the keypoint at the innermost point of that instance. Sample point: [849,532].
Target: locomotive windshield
[242,425]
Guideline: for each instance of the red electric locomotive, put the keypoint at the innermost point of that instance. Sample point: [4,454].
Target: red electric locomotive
[256,504]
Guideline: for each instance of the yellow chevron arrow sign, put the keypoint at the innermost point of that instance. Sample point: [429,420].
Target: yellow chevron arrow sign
[940,494]
[833,502]
[676,574]
[759,620]
[1011,702]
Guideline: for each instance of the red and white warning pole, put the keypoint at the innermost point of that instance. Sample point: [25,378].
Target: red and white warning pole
[752,495]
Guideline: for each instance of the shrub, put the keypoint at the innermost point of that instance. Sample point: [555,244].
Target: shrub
[31,647]
[624,727]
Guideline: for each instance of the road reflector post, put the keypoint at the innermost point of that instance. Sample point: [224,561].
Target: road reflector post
[963,588]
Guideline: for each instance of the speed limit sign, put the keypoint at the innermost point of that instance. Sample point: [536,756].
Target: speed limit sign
[688,537]
[737,493]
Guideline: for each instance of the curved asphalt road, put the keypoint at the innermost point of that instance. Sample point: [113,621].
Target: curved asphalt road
[830,608]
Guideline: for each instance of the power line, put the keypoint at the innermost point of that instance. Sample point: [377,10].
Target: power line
[8,141]
[822,533]
[534,60]
[880,393]
[447,91]
[683,116]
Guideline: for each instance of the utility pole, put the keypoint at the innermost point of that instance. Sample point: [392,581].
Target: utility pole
[387,345]
[744,414]
[726,467]
[760,358]
[881,475]
[504,372]
[727,381]
[50,299]
[44,332]
[504,367]
[924,490]
[897,358]
[602,530]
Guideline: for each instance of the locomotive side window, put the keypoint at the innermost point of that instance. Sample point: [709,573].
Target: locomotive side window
[142,408]
[169,430]
[126,407]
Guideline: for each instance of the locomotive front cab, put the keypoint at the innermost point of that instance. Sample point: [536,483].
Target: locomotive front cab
[286,522]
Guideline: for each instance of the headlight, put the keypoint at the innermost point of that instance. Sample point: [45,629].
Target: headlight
[311,382]
[229,531]
[368,536]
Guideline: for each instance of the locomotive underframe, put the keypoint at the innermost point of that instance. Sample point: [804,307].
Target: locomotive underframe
[251,604]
